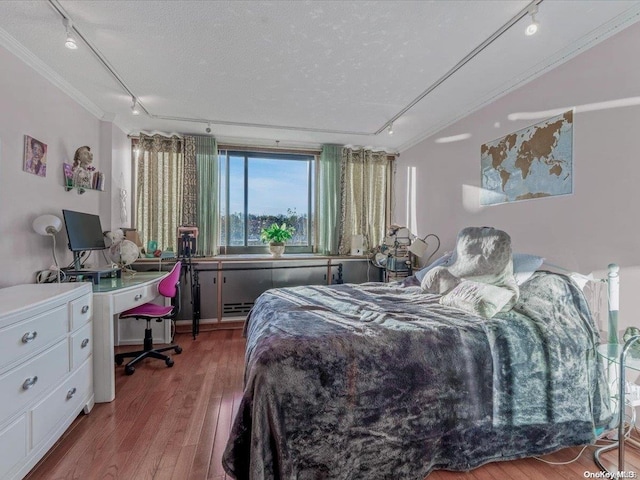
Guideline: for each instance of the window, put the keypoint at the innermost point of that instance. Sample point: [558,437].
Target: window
[258,189]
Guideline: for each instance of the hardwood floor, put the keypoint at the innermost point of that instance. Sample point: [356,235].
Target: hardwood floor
[173,424]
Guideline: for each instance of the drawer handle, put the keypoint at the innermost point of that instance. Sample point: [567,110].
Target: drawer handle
[84,343]
[85,309]
[29,337]
[29,382]
[138,297]
[71,393]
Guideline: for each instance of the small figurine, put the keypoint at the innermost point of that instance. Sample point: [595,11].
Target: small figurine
[82,168]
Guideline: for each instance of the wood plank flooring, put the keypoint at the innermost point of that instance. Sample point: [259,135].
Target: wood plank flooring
[173,424]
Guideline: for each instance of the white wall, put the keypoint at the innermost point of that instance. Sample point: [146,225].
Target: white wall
[31,105]
[600,222]
[596,225]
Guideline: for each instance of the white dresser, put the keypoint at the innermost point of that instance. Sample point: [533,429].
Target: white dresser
[46,373]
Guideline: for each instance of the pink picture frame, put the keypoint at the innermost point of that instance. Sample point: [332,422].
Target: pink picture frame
[35,156]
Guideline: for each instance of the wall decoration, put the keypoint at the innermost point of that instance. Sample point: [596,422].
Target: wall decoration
[534,162]
[35,156]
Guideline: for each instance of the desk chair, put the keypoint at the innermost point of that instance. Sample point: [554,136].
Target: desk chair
[168,287]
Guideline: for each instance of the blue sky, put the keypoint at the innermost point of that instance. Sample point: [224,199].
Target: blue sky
[274,186]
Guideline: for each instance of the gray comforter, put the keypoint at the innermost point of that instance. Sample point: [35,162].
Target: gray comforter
[378,381]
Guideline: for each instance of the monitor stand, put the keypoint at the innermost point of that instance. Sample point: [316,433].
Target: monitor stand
[95,274]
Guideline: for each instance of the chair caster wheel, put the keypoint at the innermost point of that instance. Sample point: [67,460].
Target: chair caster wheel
[169,362]
[178,349]
[129,370]
[119,361]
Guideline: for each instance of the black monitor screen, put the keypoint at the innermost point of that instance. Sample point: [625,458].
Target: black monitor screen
[84,231]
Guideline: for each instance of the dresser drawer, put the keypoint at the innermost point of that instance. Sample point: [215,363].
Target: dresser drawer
[26,383]
[81,311]
[81,345]
[62,403]
[13,446]
[22,339]
[133,298]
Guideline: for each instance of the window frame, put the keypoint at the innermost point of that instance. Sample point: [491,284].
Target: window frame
[310,159]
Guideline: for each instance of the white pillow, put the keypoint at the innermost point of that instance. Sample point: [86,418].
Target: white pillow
[524,265]
[444,261]
[478,298]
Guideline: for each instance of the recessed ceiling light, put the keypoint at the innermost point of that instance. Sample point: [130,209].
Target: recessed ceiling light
[390,129]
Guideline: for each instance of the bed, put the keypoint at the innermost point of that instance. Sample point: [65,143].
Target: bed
[379,381]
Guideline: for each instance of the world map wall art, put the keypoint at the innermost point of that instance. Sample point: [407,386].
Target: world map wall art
[534,162]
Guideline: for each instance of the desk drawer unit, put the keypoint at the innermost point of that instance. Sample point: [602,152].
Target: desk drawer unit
[134,297]
[47,350]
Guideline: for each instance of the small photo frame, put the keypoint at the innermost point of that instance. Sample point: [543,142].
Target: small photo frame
[35,156]
[68,175]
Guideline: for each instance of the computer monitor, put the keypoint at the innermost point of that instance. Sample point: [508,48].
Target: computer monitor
[84,232]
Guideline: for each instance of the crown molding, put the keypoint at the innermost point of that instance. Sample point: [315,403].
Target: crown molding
[17,49]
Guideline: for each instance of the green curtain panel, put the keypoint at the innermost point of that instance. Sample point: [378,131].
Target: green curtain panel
[329,199]
[208,202]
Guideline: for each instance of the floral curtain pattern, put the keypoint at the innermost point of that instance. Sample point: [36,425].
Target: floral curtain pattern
[159,192]
[190,182]
[364,185]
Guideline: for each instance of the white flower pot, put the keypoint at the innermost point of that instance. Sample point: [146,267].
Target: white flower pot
[276,249]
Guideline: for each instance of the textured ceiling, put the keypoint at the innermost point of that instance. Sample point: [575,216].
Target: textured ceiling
[300,72]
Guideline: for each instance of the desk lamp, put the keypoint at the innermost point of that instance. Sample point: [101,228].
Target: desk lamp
[419,247]
[49,225]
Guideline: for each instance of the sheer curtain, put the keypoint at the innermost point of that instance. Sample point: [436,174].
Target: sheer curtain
[159,189]
[208,201]
[365,184]
[329,199]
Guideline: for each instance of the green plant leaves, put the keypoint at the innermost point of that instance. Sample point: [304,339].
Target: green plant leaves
[276,233]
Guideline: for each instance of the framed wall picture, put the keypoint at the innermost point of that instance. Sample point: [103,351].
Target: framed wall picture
[35,156]
[534,162]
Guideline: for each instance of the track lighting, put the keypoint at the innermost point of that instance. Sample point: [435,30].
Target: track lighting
[135,108]
[390,129]
[70,42]
[532,28]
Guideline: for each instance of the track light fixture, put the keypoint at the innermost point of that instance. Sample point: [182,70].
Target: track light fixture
[532,28]
[70,42]
[390,129]
[135,108]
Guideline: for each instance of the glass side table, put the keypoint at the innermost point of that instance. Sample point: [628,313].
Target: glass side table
[617,353]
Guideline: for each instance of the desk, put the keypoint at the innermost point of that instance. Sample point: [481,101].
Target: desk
[110,297]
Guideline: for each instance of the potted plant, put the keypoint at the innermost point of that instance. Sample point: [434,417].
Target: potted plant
[276,235]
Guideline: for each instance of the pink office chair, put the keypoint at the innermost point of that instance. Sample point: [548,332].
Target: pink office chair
[168,287]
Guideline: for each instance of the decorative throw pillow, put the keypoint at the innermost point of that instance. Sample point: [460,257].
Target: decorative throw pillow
[478,298]
[439,280]
[524,265]
[444,261]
